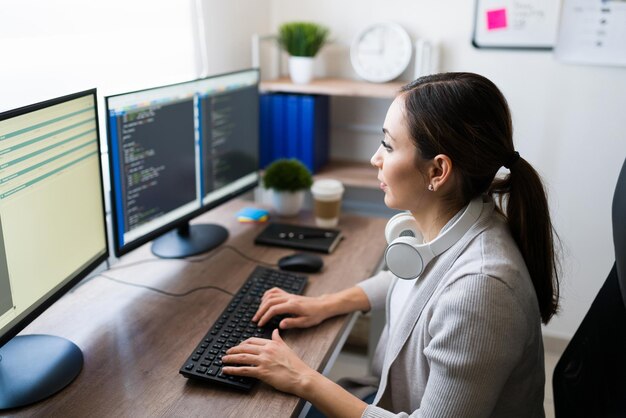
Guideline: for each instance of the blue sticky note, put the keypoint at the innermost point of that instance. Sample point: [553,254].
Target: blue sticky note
[254,214]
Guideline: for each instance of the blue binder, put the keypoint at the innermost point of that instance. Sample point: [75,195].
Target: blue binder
[278,126]
[266,146]
[314,131]
[322,131]
[292,126]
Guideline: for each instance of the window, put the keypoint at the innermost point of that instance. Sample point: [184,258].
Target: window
[54,47]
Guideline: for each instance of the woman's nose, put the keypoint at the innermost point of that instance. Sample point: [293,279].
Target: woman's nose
[376,159]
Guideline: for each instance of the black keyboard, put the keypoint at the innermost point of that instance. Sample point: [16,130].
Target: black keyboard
[235,325]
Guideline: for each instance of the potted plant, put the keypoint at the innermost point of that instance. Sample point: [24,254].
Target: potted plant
[288,179]
[302,41]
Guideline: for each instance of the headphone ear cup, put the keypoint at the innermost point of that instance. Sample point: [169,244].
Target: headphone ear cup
[404,259]
[403,255]
[401,225]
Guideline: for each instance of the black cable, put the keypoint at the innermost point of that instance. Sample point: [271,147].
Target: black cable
[194,260]
[228,247]
[163,292]
[151,260]
[189,260]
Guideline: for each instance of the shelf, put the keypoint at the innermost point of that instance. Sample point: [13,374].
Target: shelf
[351,173]
[334,87]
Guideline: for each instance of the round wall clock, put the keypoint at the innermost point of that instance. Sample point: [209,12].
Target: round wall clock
[381,52]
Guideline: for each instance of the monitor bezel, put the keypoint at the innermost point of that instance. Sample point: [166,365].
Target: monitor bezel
[120,250]
[51,299]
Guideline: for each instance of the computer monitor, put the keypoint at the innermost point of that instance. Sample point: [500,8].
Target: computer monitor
[52,234]
[177,151]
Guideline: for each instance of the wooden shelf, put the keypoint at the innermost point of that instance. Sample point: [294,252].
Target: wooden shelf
[334,87]
[351,173]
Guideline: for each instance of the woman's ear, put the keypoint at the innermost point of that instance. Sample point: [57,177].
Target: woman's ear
[440,172]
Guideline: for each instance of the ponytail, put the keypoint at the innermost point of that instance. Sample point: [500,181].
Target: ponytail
[466,117]
[522,199]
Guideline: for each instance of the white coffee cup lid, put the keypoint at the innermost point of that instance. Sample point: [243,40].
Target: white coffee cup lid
[327,188]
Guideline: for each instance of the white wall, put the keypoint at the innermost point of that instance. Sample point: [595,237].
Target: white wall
[229,26]
[569,122]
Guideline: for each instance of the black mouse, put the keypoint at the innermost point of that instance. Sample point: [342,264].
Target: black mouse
[301,262]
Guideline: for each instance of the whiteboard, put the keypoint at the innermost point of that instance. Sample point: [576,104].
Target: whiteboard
[592,32]
[516,24]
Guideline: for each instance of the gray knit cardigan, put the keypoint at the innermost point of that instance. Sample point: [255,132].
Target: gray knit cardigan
[468,342]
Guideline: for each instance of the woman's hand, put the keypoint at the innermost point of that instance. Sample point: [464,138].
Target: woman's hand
[307,311]
[271,361]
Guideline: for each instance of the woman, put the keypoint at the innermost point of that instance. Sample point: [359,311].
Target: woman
[463,339]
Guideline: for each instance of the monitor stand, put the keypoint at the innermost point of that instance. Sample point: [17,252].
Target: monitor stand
[188,240]
[33,367]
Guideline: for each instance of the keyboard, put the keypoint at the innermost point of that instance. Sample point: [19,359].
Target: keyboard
[235,325]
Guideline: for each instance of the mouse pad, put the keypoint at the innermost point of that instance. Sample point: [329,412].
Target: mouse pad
[299,237]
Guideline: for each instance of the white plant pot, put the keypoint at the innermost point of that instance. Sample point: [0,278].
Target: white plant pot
[287,203]
[301,69]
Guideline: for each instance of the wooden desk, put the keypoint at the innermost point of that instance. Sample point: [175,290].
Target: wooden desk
[135,340]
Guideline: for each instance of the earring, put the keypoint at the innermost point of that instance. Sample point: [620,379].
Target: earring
[431,188]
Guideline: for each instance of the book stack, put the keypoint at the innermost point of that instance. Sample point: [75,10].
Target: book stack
[294,126]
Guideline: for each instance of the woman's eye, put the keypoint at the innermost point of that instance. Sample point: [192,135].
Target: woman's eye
[386,145]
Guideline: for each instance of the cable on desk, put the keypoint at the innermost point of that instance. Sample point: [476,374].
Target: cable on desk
[163,292]
[228,247]
[195,260]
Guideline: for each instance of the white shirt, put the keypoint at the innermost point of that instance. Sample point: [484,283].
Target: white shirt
[403,287]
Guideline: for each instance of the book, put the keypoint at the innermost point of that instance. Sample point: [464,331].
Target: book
[299,237]
[294,126]
[279,149]
[266,146]
[314,131]
[292,123]
[322,148]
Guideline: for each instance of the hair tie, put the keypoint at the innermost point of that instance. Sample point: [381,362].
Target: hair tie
[511,161]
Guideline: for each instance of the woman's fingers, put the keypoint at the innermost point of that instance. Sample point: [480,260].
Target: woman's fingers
[241,371]
[251,345]
[268,303]
[283,308]
[274,363]
[247,359]
[273,291]
[270,297]
[299,322]
[276,336]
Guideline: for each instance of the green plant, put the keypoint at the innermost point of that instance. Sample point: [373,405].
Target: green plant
[287,176]
[302,39]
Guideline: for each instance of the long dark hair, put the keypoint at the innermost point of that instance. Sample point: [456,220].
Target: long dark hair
[466,117]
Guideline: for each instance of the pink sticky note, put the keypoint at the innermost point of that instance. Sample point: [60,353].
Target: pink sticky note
[496,19]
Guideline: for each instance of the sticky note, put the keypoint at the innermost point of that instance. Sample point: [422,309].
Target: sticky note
[252,215]
[496,19]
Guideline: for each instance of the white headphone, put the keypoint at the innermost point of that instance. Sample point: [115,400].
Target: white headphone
[407,256]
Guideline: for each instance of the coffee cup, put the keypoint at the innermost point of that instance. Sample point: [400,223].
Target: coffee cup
[327,194]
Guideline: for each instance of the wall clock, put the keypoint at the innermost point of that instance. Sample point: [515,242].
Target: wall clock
[381,52]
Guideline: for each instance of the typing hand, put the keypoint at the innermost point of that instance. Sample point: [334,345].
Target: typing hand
[271,361]
[306,311]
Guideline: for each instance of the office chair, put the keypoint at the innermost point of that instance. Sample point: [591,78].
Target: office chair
[590,378]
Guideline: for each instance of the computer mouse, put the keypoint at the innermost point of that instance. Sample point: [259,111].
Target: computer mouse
[301,262]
